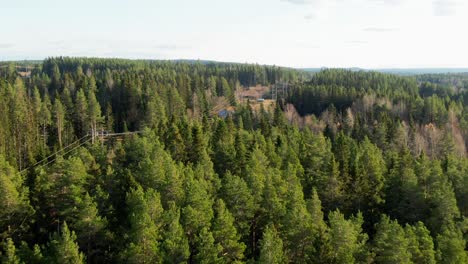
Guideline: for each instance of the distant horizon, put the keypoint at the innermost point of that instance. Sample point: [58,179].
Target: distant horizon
[312,68]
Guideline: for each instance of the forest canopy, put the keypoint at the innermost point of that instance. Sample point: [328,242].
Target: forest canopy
[344,167]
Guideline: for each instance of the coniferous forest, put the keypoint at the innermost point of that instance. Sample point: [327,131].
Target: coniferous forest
[344,167]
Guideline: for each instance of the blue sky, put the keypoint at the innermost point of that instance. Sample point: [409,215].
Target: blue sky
[297,33]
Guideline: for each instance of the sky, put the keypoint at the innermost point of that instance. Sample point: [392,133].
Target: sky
[293,33]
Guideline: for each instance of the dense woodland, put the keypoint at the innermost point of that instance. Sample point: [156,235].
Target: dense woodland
[349,167]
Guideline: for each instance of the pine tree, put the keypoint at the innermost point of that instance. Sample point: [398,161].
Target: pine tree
[456,169]
[37,105]
[175,244]
[257,169]
[240,202]
[14,205]
[175,103]
[209,252]
[347,239]
[62,248]
[109,119]
[369,183]
[404,199]
[10,256]
[197,211]
[175,143]
[441,199]
[279,120]
[451,245]
[273,206]
[93,113]
[58,191]
[90,228]
[314,206]
[197,150]
[81,113]
[143,244]
[315,157]
[45,118]
[30,256]
[271,247]
[298,230]
[223,148]
[345,149]
[332,189]
[59,116]
[241,154]
[390,242]
[225,233]
[423,171]
[155,112]
[420,244]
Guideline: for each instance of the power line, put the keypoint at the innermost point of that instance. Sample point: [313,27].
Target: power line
[101,135]
[84,142]
[55,153]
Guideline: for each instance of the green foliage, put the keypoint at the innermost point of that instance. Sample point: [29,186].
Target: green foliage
[441,199]
[225,233]
[197,212]
[347,239]
[370,168]
[175,244]
[451,247]
[299,233]
[208,250]
[239,200]
[145,221]
[33,256]
[15,210]
[420,244]
[10,256]
[284,183]
[390,242]
[271,247]
[62,248]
